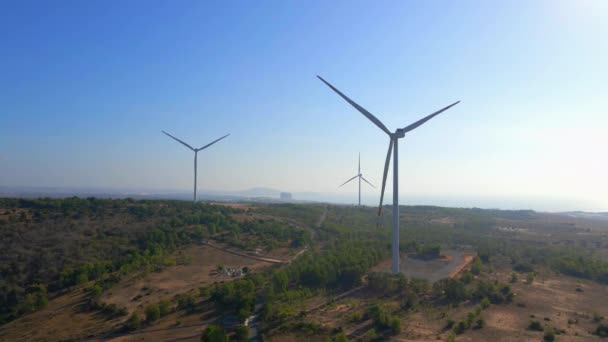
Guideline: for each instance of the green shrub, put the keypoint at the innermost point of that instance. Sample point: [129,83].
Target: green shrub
[597,317]
[453,289]
[96,291]
[214,333]
[134,322]
[602,330]
[467,277]
[428,251]
[395,325]
[523,267]
[470,318]
[356,317]
[186,302]
[152,312]
[485,303]
[372,334]
[164,308]
[460,327]
[340,337]
[535,326]
[495,292]
[242,333]
[476,267]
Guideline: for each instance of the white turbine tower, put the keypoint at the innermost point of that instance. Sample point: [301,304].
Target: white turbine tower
[195,150]
[360,176]
[394,139]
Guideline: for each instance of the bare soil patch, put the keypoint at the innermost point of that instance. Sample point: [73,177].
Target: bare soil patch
[450,264]
[140,290]
[242,206]
[448,221]
[245,217]
[61,320]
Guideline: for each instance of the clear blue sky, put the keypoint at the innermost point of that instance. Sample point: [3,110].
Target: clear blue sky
[86,87]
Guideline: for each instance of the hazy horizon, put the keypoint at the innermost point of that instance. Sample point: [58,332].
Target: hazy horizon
[88,87]
[340,198]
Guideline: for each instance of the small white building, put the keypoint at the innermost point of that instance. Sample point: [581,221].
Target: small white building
[233,272]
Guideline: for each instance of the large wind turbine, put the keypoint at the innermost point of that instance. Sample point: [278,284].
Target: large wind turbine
[394,139]
[360,176]
[195,150]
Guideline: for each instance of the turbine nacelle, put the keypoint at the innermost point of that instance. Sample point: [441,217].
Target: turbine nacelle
[399,133]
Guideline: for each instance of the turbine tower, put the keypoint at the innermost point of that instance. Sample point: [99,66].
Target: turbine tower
[195,150]
[394,139]
[360,176]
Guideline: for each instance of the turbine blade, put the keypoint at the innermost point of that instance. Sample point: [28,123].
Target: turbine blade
[363,111]
[386,165]
[211,143]
[428,117]
[349,180]
[368,182]
[183,143]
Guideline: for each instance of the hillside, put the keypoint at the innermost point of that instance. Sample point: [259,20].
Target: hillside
[74,269]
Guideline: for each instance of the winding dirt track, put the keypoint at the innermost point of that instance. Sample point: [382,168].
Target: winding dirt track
[245,255]
[468,259]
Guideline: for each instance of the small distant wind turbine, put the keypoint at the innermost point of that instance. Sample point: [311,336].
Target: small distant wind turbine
[196,150]
[394,139]
[360,176]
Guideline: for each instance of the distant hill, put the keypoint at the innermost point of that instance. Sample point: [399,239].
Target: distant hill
[257,192]
[586,215]
[61,192]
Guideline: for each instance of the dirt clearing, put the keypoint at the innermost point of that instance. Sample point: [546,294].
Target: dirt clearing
[142,289]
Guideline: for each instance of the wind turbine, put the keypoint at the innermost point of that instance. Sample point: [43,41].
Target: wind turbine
[394,139]
[360,176]
[195,150]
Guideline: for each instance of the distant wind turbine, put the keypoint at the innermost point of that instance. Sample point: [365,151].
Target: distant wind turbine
[360,176]
[196,150]
[394,139]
